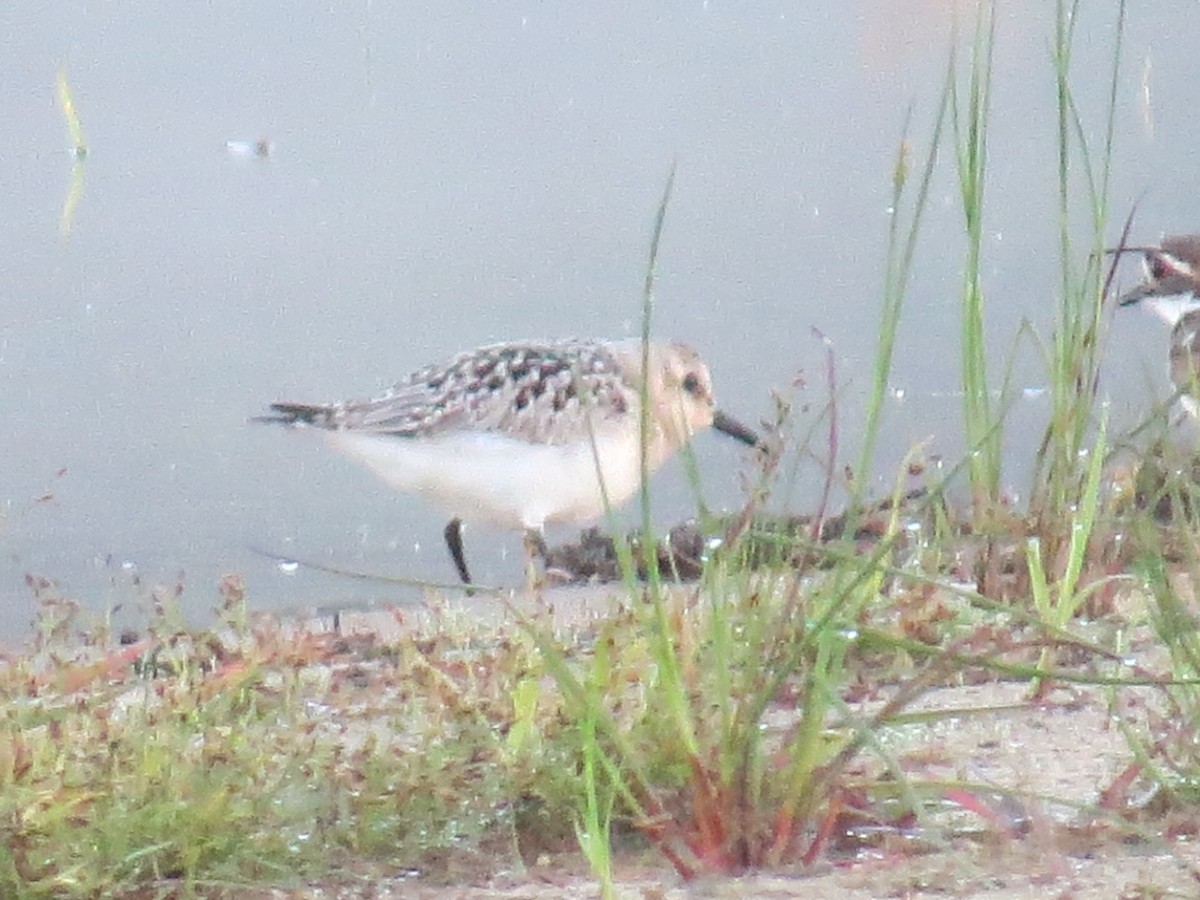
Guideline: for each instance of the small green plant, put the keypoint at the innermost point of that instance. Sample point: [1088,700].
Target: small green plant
[593,830]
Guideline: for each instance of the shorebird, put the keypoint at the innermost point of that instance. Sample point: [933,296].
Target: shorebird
[1171,288]
[524,433]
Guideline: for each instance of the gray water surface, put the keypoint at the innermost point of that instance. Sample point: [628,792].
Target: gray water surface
[449,174]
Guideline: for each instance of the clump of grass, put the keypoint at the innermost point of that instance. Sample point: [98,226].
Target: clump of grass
[1165,566]
[250,753]
[723,812]
[689,757]
[686,752]
[1066,471]
[1077,350]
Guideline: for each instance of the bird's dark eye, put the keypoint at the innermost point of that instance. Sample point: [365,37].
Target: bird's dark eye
[1160,268]
[691,384]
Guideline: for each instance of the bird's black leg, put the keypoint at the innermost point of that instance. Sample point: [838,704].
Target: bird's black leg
[453,534]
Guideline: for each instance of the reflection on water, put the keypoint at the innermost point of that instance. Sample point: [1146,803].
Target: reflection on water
[451,175]
[78,152]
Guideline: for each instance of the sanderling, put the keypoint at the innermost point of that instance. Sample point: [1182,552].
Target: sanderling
[1171,288]
[524,433]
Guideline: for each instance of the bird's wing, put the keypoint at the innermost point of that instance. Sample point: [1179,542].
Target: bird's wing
[554,393]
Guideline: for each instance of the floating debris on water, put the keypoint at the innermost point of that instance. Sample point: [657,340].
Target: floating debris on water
[260,149]
[78,144]
[78,151]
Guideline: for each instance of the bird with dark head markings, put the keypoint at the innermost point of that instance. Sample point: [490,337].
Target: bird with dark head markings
[1170,287]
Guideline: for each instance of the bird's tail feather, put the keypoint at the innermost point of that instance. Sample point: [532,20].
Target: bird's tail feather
[295,414]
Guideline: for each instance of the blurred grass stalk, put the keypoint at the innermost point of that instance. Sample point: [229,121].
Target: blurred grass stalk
[970,119]
[901,248]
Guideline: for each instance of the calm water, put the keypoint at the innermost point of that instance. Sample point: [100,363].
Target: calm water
[464,173]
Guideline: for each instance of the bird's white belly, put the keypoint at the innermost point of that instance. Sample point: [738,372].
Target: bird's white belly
[485,476]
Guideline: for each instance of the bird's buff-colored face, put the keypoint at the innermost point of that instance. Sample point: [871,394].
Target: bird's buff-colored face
[681,397]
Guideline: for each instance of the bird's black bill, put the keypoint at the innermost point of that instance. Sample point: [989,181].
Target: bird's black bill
[1118,251]
[1132,296]
[735,429]
[454,542]
[295,413]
